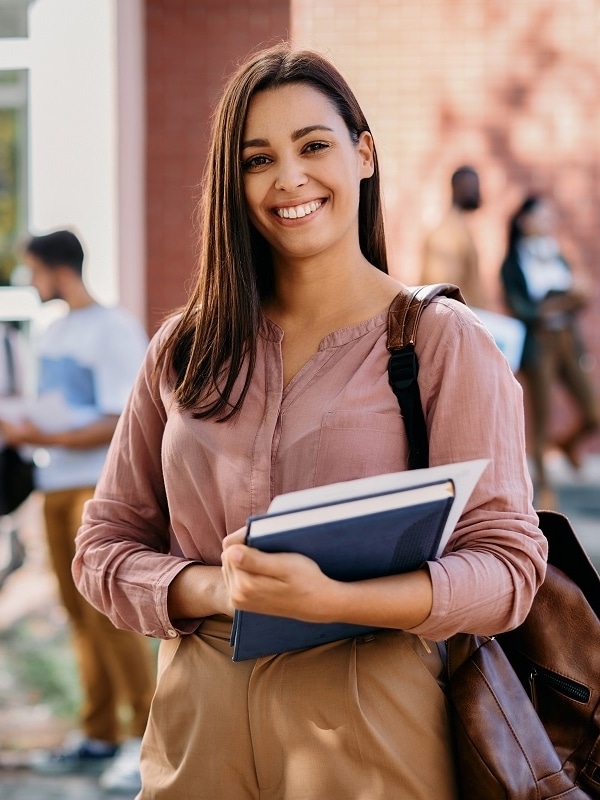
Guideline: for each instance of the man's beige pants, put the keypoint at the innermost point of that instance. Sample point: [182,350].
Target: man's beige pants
[116,667]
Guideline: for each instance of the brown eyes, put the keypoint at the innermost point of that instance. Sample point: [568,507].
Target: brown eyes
[255,162]
[258,161]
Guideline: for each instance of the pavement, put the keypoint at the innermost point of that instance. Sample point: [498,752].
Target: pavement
[35,650]
[25,786]
[578,497]
[30,594]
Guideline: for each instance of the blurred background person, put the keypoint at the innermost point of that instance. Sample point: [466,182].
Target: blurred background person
[450,256]
[15,471]
[88,360]
[542,291]
[12,379]
[449,251]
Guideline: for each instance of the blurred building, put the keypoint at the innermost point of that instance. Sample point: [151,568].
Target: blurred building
[119,96]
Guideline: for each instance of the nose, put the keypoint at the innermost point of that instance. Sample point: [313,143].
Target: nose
[290,175]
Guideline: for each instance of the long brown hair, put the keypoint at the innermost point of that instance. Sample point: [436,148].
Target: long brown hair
[218,327]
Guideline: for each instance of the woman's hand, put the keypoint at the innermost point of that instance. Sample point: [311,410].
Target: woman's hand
[292,585]
[284,584]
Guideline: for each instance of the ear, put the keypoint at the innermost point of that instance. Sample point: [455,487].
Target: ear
[366,149]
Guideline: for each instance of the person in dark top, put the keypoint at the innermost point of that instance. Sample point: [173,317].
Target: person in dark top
[541,290]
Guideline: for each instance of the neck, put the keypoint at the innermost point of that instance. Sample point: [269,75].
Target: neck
[77,296]
[312,294]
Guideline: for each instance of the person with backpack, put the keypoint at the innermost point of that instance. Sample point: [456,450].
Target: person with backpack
[274,378]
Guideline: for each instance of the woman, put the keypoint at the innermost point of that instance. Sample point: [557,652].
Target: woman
[541,290]
[274,378]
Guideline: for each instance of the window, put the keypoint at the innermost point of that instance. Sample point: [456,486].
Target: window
[13,18]
[13,167]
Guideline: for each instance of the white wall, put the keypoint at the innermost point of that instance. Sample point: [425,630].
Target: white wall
[73,142]
[86,134]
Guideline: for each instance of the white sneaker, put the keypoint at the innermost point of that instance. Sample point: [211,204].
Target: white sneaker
[123,774]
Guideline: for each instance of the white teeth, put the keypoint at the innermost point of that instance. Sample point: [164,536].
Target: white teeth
[299,211]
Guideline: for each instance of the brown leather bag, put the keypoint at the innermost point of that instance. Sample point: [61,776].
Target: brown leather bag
[525,704]
[526,708]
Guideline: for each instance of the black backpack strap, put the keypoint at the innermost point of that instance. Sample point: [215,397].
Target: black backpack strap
[403,369]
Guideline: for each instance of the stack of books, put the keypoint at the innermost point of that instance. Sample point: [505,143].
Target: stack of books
[354,530]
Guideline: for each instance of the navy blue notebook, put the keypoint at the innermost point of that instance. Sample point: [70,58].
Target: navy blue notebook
[354,539]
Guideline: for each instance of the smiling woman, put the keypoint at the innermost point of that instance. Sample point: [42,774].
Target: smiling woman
[272,379]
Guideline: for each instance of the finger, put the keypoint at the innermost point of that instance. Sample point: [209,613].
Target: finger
[240,557]
[281,566]
[237,537]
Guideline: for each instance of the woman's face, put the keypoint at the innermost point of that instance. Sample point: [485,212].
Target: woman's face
[302,172]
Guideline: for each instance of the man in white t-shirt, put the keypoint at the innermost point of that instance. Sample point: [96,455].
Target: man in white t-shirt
[88,361]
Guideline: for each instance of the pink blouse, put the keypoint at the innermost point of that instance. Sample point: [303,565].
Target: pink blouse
[174,486]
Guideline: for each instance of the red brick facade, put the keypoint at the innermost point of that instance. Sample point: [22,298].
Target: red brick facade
[191,45]
[512,88]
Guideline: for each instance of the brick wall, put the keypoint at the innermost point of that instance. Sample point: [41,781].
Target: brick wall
[191,45]
[512,88]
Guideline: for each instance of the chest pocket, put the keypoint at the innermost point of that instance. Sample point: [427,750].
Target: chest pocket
[355,444]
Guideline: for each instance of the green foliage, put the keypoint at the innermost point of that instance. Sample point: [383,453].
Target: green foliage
[43,667]
[10,189]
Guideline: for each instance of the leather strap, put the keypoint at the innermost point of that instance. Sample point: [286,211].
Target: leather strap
[403,368]
[407,307]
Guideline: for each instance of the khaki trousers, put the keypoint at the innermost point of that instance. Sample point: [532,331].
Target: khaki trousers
[361,719]
[116,667]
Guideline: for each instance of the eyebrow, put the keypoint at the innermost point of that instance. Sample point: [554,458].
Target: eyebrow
[295,136]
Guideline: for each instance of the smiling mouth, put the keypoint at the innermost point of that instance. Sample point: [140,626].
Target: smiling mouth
[295,212]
